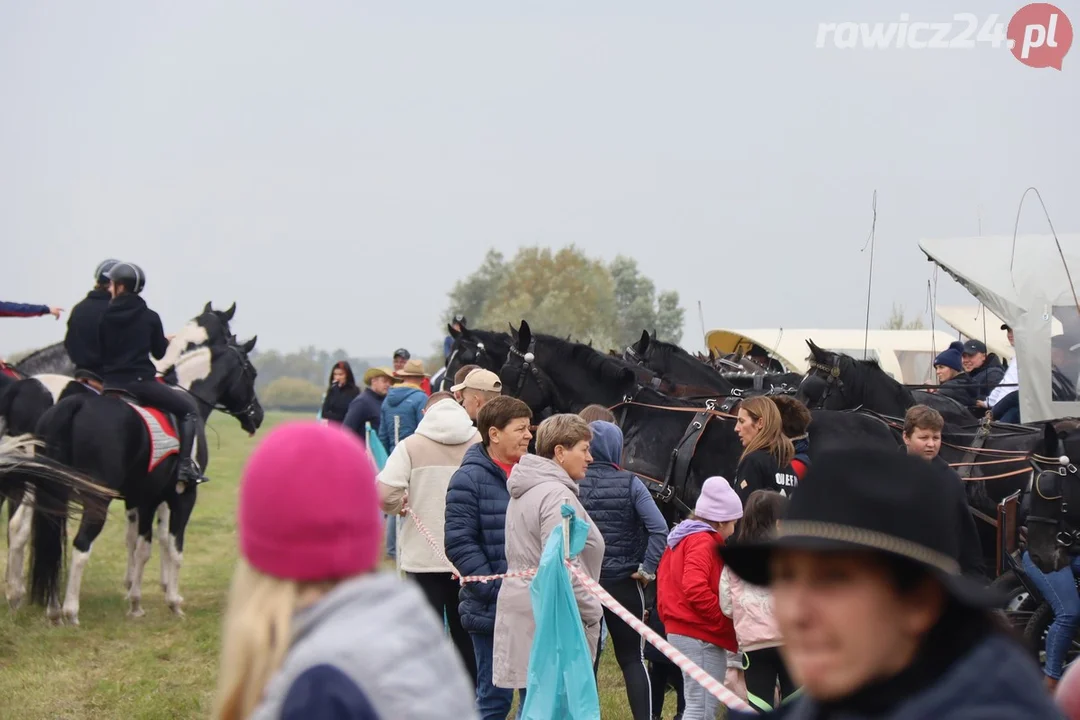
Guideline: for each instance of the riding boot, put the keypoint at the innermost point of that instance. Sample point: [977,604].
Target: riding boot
[187,469]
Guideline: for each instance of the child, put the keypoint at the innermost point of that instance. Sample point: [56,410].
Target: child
[688,588]
[312,629]
[750,607]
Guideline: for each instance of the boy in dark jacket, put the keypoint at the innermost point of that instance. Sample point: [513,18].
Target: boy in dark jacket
[130,333]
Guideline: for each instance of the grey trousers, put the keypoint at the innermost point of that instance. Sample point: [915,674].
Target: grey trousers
[700,704]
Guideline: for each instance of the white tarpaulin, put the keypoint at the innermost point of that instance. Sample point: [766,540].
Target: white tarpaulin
[1028,289]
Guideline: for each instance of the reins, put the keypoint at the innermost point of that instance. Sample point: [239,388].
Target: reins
[710,408]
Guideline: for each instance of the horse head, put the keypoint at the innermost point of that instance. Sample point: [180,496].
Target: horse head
[1050,535]
[483,348]
[222,377]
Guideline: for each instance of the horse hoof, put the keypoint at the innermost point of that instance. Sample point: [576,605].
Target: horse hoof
[15,601]
[177,610]
[71,619]
[136,613]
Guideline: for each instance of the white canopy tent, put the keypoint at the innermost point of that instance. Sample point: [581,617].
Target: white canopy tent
[1025,283]
[975,321]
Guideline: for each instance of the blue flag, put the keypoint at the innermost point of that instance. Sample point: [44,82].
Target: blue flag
[561,683]
[375,448]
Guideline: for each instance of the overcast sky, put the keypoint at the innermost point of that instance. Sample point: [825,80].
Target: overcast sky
[334,167]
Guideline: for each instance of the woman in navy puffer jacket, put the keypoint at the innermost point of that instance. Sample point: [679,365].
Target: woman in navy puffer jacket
[475,534]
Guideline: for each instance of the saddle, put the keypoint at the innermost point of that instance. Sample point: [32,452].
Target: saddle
[160,428]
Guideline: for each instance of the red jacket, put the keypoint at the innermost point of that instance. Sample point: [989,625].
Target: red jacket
[688,591]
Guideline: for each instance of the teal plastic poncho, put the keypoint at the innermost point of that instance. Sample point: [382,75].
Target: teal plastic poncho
[561,681]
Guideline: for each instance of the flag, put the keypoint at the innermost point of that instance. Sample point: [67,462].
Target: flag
[561,685]
[375,448]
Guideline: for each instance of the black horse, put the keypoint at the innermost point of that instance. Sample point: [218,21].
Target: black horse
[680,367]
[110,439]
[552,375]
[840,382]
[485,348]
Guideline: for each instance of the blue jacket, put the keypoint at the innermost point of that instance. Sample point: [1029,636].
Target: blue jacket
[447,346]
[992,681]
[633,528]
[406,402]
[10,309]
[364,408]
[475,534]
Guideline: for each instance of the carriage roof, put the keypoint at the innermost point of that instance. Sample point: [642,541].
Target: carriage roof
[1024,282]
[907,355]
[975,321]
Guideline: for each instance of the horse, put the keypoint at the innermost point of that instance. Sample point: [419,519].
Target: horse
[485,348]
[52,360]
[126,449]
[24,402]
[840,382]
[680,367]
[674,445]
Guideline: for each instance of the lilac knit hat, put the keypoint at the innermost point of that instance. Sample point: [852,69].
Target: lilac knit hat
[308,506]
[718,502]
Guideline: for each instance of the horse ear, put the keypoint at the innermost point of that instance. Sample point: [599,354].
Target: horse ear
[513,332]
[1051,439]
[643,343]
[249,345]
[453,333]
[815,350]
[207,309]
[228,314]
[524,336]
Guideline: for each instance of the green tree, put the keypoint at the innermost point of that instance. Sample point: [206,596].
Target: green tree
[897,320]
[561,293]
[638,308]
[291,392]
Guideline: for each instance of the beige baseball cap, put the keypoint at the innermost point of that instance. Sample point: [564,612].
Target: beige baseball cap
[480,379]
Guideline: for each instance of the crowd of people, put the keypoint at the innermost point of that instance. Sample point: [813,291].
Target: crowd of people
[808,593]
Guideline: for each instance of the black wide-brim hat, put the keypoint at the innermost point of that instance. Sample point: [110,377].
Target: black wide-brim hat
[872,500]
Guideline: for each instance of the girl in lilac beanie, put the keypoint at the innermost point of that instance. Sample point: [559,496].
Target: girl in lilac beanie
[312,629]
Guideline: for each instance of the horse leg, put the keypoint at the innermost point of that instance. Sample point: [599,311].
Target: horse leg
[163,538]
[132,515]
[173,546]
[89,529]
[142,556]
[21,512]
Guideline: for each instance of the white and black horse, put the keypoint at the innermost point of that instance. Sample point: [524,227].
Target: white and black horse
[133,452]
[41,385]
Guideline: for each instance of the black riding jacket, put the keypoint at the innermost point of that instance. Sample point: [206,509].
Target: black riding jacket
[130,333]
[759,471]
[83,341]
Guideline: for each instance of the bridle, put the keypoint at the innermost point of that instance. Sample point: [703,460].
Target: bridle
[832,379]
[247,411]
[525,365]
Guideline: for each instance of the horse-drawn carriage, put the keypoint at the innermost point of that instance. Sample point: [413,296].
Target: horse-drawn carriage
[1027,281]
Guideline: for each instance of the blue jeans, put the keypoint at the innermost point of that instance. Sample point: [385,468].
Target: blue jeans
[1007,409]
[391,535]
[492,703]
[1059,589]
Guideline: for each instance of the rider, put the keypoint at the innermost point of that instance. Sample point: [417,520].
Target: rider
[82,341]
[130,333]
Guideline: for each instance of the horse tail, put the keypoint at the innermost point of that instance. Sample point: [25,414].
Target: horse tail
[53,483]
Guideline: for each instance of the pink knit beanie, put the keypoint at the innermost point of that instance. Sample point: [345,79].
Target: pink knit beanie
[309,509]
[718,502]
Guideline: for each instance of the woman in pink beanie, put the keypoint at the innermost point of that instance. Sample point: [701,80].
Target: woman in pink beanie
[312,629]
[688,591]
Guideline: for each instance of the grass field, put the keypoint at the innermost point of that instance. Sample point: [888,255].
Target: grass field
[157,666]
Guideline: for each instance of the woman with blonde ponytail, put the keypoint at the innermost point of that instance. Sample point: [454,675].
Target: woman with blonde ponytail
[312,629]
[767,454]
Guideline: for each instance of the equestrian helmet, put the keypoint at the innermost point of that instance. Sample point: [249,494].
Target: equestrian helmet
[101,274]
[129,275]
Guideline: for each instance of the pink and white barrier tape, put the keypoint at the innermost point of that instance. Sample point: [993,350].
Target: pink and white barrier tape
[715,687]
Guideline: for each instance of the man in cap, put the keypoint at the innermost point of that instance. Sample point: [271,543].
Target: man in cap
[403,408]
[366,407]
[1004,400]
[983,367]
[479,387]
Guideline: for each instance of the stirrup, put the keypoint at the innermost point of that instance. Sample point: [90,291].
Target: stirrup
[190,472]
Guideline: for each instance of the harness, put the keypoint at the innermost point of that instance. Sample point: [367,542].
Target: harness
[832,379]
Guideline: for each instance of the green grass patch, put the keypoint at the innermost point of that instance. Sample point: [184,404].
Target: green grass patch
[157,666]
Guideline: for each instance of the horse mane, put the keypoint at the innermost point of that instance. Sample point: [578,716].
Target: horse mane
[873,366]
[47,351]
[605,368]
